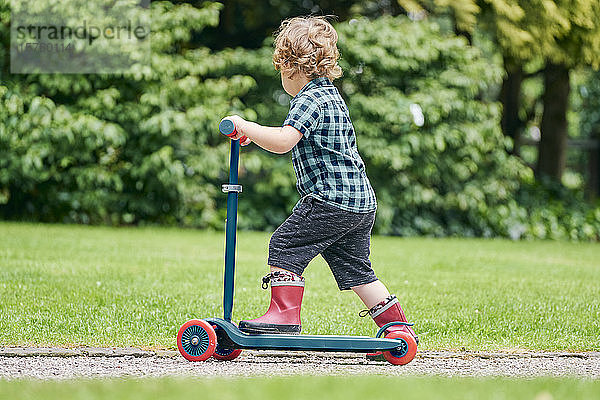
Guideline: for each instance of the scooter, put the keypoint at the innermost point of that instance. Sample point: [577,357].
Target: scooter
[198,340]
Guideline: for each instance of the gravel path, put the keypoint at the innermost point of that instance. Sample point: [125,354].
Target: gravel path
[55,363]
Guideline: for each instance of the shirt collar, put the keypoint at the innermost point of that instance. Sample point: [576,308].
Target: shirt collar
[317,82]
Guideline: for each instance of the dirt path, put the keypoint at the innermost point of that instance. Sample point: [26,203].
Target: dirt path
[55,363]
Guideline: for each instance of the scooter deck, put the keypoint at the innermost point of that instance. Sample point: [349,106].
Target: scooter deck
[354,344]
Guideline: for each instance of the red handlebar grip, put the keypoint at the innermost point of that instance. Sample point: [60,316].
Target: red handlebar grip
[227,128]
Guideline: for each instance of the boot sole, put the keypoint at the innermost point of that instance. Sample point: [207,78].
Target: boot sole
[269,328]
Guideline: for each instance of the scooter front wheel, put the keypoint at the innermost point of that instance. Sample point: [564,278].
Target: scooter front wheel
[226,354]
[196,340]
[224,351]
[406,350]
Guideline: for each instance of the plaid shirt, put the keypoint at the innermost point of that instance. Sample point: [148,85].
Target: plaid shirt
[326,160]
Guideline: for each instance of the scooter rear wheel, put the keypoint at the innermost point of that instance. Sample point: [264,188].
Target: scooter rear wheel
[406,350]
[196,340]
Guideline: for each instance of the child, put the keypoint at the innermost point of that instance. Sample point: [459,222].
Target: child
[336,212]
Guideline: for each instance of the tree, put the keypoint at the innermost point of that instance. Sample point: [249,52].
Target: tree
[562,34]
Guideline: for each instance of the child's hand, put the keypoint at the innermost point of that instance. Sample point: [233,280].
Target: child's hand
[239,124]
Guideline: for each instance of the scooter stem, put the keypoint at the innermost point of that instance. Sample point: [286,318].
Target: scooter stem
[232,190]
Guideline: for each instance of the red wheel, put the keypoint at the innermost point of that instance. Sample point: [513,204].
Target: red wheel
[406,350]
[196,340]
[226,354]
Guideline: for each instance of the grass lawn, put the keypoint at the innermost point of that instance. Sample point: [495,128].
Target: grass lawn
[78,285]
[308,388]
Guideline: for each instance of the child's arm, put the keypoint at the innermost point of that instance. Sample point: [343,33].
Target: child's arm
[278,140]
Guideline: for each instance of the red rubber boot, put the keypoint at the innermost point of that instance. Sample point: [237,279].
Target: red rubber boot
[388,310]
[283,315]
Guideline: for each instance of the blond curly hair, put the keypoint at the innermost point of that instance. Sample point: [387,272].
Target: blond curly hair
[307,45]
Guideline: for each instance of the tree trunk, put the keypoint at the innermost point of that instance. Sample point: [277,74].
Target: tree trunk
[510,97]
[553,144]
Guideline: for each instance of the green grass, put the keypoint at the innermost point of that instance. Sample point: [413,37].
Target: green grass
[77,285]
[304,388]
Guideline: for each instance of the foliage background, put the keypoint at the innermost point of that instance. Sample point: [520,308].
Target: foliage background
[143,148]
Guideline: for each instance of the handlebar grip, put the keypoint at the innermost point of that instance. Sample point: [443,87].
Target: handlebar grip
[227,128]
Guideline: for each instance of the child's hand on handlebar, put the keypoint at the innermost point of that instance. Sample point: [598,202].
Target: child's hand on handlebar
[239,124]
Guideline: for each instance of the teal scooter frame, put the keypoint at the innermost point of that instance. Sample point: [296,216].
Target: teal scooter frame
[198,340]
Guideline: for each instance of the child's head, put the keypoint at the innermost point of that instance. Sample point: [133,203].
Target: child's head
[307,45]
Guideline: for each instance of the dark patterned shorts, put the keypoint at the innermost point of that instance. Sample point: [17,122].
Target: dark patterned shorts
[342,237]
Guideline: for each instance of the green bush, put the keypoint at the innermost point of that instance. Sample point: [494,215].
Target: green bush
[120,149]
[556,212]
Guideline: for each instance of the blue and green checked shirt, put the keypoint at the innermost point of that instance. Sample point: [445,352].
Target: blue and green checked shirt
[326,160]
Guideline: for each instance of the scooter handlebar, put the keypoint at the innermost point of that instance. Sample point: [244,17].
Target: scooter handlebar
[227,128]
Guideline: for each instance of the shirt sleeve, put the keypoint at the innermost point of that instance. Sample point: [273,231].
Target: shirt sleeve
[304,115]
